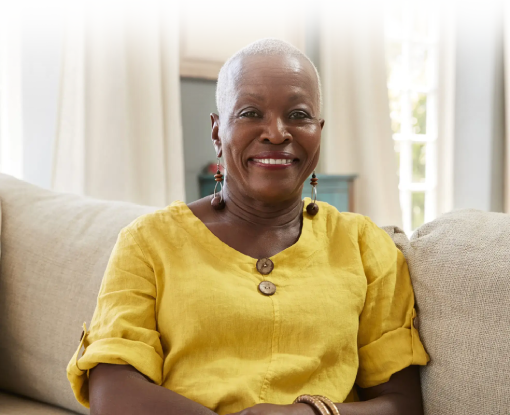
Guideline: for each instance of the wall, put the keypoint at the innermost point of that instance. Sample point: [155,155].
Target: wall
[479,117]
[42,38]
[198,101]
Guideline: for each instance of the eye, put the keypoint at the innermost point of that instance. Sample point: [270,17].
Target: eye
[299,115]
[249,114]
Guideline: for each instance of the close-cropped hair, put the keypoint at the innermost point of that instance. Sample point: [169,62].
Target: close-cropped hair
[268,47]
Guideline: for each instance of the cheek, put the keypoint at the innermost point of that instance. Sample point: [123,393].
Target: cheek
[234,142]
[309,138]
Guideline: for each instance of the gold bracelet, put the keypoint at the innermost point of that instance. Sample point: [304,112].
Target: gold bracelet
[329,403]
[314,403]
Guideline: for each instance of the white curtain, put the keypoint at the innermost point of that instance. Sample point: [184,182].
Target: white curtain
[507,105]
[357,133]
[11,122]
[119,129]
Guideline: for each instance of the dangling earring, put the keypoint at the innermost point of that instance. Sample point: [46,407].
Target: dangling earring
[313,207]
[218,203]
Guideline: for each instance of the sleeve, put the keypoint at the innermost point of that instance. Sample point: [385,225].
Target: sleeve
[123,328]
[387,339]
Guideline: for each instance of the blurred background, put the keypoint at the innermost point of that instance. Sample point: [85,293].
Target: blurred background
[112,99]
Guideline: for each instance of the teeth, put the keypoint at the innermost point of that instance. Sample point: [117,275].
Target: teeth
[273,161]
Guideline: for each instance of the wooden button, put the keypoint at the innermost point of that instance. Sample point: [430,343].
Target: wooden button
[416,323]
[265,266]
[267,288]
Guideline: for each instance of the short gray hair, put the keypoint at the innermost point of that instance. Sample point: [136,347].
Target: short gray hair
[268,46]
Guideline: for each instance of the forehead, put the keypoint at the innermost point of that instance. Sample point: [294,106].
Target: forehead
[271,74]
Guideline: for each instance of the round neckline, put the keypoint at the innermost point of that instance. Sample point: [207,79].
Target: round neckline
[204,235]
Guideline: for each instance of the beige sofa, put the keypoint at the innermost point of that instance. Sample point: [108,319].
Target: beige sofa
[54,249]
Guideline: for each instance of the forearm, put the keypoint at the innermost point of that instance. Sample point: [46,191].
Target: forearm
[391,404]
[401,395]
[130,393]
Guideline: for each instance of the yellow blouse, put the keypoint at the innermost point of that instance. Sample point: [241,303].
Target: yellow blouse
[185,310]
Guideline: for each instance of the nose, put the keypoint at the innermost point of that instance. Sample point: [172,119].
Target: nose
[275,132]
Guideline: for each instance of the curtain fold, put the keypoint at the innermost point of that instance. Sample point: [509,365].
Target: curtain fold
[119,129]
[357,133]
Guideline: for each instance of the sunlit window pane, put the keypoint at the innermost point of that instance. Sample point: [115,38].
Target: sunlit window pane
[418,209]
[418,65]
[395,110]
[393,20]
[419,162]
[412,68]
[394,63]
[393,9]
[397,154]
[419,106]
[420,21]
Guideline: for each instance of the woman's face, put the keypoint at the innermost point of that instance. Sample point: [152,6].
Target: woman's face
[269,134]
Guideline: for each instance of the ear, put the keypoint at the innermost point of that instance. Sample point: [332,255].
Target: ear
[321,122]
[215,129]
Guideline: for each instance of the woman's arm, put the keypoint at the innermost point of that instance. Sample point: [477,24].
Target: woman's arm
[121,389]
[400,395]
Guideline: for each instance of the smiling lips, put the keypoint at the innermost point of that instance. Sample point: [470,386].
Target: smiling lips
[273,161]
[273,164]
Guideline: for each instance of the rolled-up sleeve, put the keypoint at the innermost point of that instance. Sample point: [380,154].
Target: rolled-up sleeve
[123,329]
[387,339]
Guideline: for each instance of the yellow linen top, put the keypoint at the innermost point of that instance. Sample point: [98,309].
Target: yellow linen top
[184,309]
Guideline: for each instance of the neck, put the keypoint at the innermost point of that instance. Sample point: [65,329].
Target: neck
[250,211]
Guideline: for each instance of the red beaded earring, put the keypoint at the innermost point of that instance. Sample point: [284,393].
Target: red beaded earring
[313,207]
[218,203]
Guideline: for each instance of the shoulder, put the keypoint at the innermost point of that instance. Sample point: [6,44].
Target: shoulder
[165,220]
[335,222]
[375,238]
[357,226]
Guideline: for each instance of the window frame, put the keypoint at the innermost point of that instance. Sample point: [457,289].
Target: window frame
[406,138]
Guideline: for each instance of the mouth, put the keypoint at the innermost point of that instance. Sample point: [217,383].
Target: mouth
[273,160]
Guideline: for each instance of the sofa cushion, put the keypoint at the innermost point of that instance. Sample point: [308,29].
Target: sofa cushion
[460,269]
[55,248]
[16,405]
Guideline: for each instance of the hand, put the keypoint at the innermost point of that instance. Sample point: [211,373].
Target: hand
[272,409]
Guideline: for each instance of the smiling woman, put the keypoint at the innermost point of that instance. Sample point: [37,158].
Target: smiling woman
[260,307]
[268,93]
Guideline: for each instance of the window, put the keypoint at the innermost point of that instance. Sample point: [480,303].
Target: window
[11,156]
[412,66]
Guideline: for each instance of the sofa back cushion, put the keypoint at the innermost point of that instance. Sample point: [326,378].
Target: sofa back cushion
[460,269]
[55,248]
